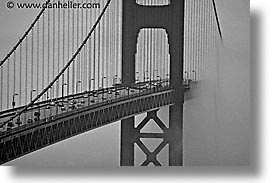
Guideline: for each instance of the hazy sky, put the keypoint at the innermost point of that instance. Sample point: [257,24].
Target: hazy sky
[96,149]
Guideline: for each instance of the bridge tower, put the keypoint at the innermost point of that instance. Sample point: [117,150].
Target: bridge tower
[171,18]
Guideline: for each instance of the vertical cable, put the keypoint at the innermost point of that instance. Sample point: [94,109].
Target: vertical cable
[68,54]
[197,73]
[43,49]
[48,62]
[118,51]
[161,53]
[80,53]
[77,39]
[8,83]
[94,55]
[32,62]
[73,49]
[102,62]
[58,51]
[20,74]
[86,51]
[63,48]
[107,47]
[113,37]
[53,60]
[90,54]
[14,72]
[81,56]
[99,49]
[148,53]
[38,59]
[1,89]
[193,39]
[26,70]
[187,38]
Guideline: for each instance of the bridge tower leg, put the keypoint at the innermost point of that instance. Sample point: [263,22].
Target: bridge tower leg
[171,18]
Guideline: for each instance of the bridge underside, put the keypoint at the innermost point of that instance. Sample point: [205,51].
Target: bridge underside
[24,140]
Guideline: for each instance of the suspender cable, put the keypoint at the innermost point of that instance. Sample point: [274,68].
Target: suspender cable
[196,40]
[86,51]
[203,40]
[94,56]
[68,54]
[113,60]
[53,60]
[118,38]
[99,49]
[144,55]
[193,39]
[1,89]
[161,53]
[63,70]
[106,48]
[107,37]
[20,74]
[152,31]
[32,62]
[102,62]
[197,70]
[43,49]
[208,31]
[188,38]
[37,57]
[8,83]
[26,70]
[89,55]
[58,51]
[14,72]
[48,62]
[77,39]
[73,48]
[63,50]
[81,56]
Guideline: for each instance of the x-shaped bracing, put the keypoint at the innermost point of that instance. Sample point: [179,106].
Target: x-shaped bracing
[151,157]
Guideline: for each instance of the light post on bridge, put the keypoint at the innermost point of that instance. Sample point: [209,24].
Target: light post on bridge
[103,87]
[13,99]
[168,78]
[144,76]
[187,75]
[137,76]
[77,83]
[159,85]
[115,79]
[33,90]
[64,84]
[155,71]
[90,88]
[195,76]
[90,84]
[31,93]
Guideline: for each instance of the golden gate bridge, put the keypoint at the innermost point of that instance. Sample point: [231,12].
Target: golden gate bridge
[75,70]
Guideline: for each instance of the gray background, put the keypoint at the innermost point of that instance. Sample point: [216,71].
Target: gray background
[217,121]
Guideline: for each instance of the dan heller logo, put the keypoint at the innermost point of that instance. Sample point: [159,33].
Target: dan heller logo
[56,5]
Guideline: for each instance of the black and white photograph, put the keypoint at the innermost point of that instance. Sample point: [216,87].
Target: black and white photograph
[125,83]
[90,85]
